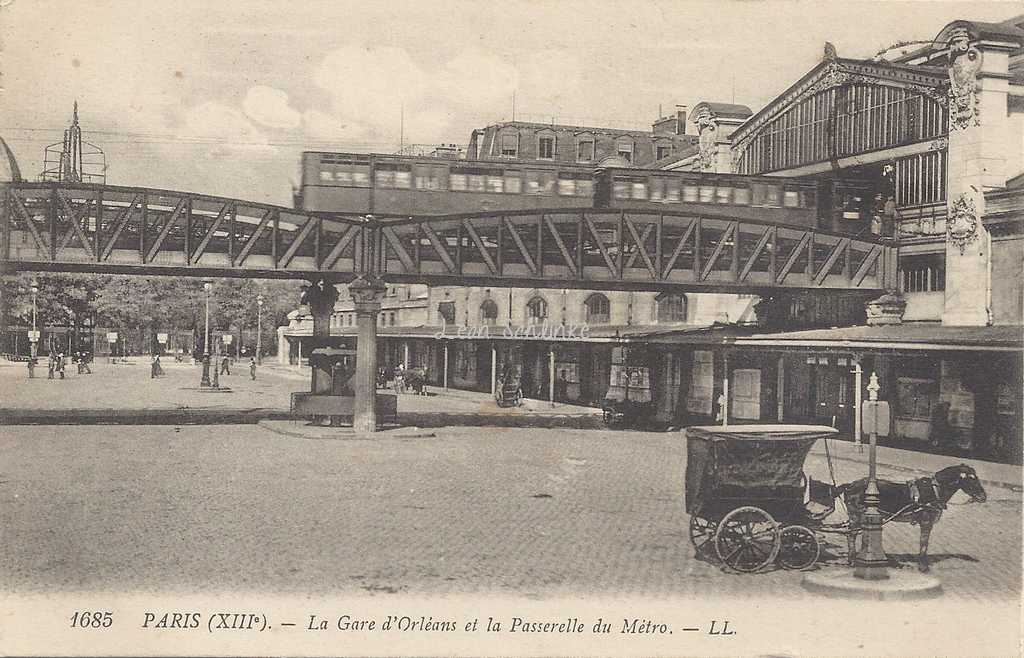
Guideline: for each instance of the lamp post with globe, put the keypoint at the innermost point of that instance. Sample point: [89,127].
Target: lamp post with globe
[259,329]
[34,288]
[207,286]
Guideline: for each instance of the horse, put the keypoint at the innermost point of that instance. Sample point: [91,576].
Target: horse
[919,502]
[416,380]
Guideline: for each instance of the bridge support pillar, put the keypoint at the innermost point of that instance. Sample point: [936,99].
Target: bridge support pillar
[367,292]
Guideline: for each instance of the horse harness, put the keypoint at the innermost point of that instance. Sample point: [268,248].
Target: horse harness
[924,495]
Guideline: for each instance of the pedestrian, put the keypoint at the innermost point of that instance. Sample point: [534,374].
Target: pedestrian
[252,368]
[225,365]
[31,368]
[60,364]
[84,363]
[400,379]
[51,366]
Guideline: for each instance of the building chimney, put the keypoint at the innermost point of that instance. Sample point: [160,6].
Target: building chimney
[681,119]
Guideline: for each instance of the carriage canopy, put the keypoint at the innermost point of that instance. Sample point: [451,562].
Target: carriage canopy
[755,461]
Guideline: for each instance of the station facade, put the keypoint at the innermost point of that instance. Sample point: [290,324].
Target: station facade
[925,150]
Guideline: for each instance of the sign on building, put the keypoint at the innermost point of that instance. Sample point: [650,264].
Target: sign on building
[227,338]
[111,336]
[161,338]
[33,335]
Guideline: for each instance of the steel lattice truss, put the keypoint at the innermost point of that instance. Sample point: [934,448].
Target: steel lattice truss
[94,228]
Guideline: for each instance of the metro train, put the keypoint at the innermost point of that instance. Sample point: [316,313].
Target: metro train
[394,185]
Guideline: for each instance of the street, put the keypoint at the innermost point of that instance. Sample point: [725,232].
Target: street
[496,511]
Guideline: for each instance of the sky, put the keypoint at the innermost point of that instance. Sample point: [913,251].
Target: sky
[222,97]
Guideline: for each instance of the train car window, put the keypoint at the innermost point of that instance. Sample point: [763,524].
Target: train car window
[690,193]
[327,176]
[496,183]
[741,196]
[707,193]
[657,189]
[791,199]
[566,187]
[639,189]
[513,182]
[763,194]
[457,182]
[723,194]
[584,187]
[540,182]
[808,199]
[672,190]
[477,183]
[390,175]
[621,188]
[431,177]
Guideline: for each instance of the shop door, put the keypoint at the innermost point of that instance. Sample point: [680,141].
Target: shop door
[832,397]
[745,395]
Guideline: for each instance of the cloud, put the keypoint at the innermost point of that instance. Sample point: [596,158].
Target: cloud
[269,106]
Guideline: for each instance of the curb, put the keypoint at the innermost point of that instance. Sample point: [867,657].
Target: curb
[317,433]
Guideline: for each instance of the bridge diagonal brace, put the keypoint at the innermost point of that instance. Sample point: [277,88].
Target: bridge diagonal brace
[311,224]
[256,233]
[119,224]
[600,246]
[439,247]
[758,248]
[165,230]
[791,261]
[566,256]
[838,250]
[522,246]
[641,247]
[481,247]
[670,265]
[729,232]
[201,248]
[869,260]
[75,228]
[23,211]
[396,243]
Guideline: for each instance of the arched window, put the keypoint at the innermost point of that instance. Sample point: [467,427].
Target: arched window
[488,312]
[536,310]
[671,308]
[598,309]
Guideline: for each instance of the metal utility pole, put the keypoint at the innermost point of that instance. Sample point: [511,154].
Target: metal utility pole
[205,381]
[871,560]
[259,329]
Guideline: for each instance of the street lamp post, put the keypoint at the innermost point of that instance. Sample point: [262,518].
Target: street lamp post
[871,560]
[207,286]
[35,336]
[259,329]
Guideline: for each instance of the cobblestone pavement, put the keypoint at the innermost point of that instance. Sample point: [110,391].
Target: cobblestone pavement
[536,513]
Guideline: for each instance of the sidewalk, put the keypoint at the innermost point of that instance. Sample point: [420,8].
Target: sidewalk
[1006,476]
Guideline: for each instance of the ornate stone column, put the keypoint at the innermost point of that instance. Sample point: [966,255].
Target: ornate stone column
[978,138]
[366,291]
[320,298]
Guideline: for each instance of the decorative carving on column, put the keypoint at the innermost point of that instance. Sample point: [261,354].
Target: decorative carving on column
[706,128]
[962,225]
[964,101]
[367,291]
[320,298]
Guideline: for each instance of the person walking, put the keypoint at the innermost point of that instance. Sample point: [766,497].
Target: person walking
[225,365]
[51,366]
[252,368]
[400,379]
[83,362]
[31,368]
[60,364]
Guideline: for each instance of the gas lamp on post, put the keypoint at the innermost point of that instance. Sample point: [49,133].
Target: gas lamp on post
[34,339]
[259,329]
[207,287]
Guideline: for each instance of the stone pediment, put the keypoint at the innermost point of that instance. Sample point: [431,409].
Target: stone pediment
[836,72]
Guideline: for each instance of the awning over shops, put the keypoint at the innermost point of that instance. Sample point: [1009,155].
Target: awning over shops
[901,337]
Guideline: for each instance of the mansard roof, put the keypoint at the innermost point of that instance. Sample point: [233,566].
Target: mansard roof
[832,72]
[725,110]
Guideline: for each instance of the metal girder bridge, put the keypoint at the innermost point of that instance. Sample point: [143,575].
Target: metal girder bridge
[110,229]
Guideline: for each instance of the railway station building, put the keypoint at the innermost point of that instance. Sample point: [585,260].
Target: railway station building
[923,151]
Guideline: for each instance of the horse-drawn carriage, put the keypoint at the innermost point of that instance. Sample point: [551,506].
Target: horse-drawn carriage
[751,504]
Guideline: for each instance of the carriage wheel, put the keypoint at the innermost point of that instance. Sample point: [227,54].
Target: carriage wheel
[702,531]
[747,539]
[799,548]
